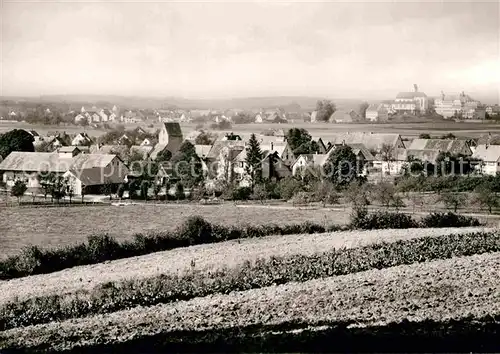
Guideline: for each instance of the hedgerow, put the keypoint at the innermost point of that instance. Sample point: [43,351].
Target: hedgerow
[100,248]
[196,230]
[115,296]
[446,219]
[360,219]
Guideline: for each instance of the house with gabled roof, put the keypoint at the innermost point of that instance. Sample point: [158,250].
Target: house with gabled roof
[312,161]
[490,159]
[377,113]
[81,139]
[344,117]
[453,146]
[28,166]
[372,141]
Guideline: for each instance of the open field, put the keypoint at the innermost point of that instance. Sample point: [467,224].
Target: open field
[207,258]
[458,288]
[473,129]
[50,227]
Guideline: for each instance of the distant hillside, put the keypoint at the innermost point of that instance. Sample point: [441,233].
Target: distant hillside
[289,103]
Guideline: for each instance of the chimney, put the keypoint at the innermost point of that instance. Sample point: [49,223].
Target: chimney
[272,146]
[415,87]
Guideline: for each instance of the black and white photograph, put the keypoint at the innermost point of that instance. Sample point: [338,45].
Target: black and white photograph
[253,176]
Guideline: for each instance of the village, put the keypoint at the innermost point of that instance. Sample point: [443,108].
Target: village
[449,106]
[143,164]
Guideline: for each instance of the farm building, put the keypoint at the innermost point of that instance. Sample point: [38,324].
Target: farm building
[28,166]
[453,146]
[377,113]
[344,117]
[372,141]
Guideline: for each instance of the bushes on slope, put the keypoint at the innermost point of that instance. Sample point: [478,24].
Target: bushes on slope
[361,219]
[100,248]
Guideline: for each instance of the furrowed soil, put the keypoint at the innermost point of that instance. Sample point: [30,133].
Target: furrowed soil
[204,258]
[464,289]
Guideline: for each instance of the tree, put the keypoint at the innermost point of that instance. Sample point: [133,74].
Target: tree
[179,191]
[253,160]
[325,109]
[362,109]
[387,154]
[424,136]
[290,186]
[70,191]
[243,118]
[260,192]
[384,193]
[44,146]
[205,138]
[135,156]
[144,189]
[448,136]
[324,191]
[18,190]
[107,189]
[414,167]
[16,140]
[341,167]
[58,186]
[156,189]
[187,165]
[358,195]
[163,156]
[486,197]
[452,200]
[300,141]
[120,190]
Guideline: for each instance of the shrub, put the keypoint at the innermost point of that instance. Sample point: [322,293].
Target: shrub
[29,260]
[101,248]
[448,220]
[195,230]
[301,198]
[289,186]
[179,191]
[241,193]
[358,217]
[381,220]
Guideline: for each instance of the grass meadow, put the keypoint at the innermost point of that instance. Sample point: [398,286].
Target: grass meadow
[58,226]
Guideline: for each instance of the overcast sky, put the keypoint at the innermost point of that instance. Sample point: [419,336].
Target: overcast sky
[222,49]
